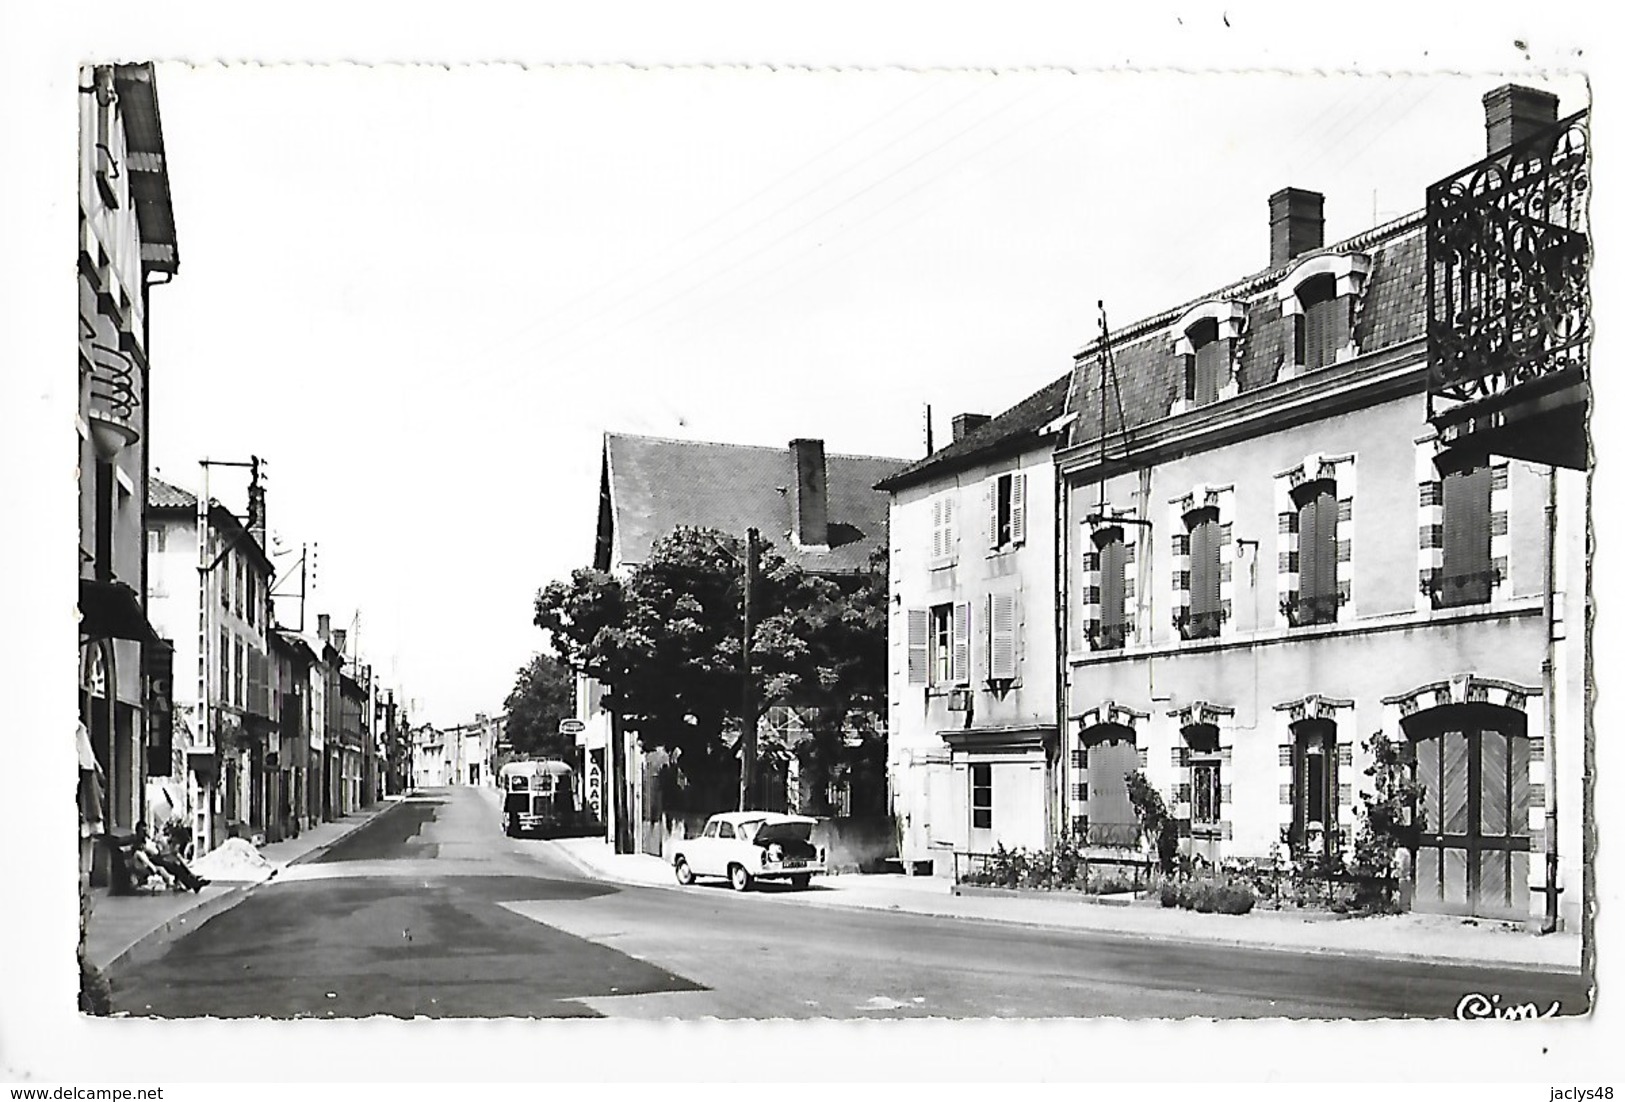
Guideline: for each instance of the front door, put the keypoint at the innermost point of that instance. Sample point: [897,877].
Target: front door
[1109,757]
[1473,844]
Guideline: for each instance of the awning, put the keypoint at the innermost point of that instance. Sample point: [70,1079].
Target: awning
[112,610]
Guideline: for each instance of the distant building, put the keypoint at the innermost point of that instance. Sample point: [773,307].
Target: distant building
[819,511]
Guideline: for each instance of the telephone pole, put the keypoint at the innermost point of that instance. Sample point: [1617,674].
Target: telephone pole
[747,708]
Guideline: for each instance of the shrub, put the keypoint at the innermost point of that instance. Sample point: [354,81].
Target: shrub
[1207,895]
[1168,894]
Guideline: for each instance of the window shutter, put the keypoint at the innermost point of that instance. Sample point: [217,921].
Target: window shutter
[1326,549]
[919,630]
[1204,556]
[1308,560]
[1112,596]
[1002,636]
[936,528]
[990,496]
[960,670]
[1018,508]
[950,537]
[1467,537]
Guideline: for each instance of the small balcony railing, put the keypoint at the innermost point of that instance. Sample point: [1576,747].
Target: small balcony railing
[1508,254]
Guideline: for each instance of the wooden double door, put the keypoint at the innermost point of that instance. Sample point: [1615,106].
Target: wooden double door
[1473,845]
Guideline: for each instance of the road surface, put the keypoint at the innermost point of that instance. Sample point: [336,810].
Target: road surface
[429,910]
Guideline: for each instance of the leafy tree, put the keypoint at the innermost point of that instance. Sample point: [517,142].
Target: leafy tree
[1391,819]
[543,693]
[666,644]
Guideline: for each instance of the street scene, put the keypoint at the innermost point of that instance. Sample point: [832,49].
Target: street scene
[833,552]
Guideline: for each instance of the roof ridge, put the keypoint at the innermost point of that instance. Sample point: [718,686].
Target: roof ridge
[777,450]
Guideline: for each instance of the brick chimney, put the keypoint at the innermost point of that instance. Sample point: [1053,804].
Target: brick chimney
[324,624]
[809,495]
[1297,224]
[1513,113]
[256,512]
[967,423]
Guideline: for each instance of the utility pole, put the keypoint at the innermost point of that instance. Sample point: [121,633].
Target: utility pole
[747,709]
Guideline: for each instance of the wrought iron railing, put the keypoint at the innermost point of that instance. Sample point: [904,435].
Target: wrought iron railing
[1199,625]
[1301,611]
[1508,261]
[1103,636]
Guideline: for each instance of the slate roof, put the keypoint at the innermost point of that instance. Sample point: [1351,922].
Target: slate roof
[1015,430]
[655,485]
[1392,311]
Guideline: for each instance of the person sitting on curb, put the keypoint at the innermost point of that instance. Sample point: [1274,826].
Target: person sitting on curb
[158,853]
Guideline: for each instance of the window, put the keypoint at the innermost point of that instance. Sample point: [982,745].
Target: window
[1001,627]
[1007,518]
[253,598]
[1314,782]
[949,644]
[944,532]
[1113,559]
[238,576]
[239,678]
[1317,598]
[1317,330]
[157,540]
[1468,574]
[1207,789]
[725,830]
[981,797]
[225,667]
[1205,610]
[224,568]
[1207,366]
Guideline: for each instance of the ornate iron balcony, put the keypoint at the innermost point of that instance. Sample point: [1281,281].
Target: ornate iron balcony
[1508,256]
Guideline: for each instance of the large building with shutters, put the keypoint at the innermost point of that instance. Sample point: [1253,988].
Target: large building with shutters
[1269,557]
[972,745]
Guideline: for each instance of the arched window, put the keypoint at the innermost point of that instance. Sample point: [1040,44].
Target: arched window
[1314,785]
[1317,600]
[1207,365]
[1106,816]
[1319,332]
[1206,783]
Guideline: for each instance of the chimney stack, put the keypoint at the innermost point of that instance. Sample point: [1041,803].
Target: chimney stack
[967,423]
[256,509]
[1297,224]
[323,626]
[809,495]
[1513,113]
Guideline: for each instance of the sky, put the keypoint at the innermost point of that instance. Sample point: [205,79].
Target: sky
[423,293]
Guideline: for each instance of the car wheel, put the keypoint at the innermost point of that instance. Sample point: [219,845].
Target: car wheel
[801,881]
[685,875]
[739,878]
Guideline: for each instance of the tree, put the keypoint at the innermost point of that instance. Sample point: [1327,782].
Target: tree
[666,644]
[543,693]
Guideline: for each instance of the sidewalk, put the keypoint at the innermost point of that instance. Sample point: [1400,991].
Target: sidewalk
[1441,939]
[137,927]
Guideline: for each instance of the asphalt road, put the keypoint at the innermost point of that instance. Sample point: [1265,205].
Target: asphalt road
[430,910]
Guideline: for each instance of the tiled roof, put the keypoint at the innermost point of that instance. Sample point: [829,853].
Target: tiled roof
[657,485]
[1016,429]
[161,495]
[1149,376]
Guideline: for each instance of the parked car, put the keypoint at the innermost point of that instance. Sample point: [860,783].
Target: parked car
[747,846]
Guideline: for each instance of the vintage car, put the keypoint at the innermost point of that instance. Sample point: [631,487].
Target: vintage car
[747,846]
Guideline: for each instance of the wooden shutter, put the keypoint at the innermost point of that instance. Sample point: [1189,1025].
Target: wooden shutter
[1002,636]
[1210,359]
[950,535]
[991,501]
[919,631]
[936,528]
[1467,537]
[1204,556]
[1112,563]
[1308,554]
[960,670]
[1018,508]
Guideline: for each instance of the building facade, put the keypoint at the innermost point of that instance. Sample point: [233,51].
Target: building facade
[211,603]
[973,748]
[1270,561]
[126,246]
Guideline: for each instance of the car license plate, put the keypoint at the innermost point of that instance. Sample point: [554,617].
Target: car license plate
[795,863]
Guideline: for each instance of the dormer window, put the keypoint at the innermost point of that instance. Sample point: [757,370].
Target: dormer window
[1205,341]
[1319,298]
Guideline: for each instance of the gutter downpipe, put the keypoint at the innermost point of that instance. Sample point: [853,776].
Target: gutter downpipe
[1548,673]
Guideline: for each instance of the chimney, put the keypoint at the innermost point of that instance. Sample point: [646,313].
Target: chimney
[1297,224]
[967,423]
[1513,113]
[338,638]
[323,626]
[809,496]
[256,510]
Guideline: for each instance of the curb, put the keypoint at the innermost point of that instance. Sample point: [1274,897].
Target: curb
[1137,935]
[150,945]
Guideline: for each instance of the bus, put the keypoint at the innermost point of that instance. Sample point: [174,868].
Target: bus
[538,797]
